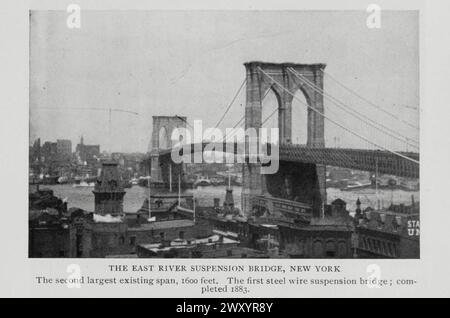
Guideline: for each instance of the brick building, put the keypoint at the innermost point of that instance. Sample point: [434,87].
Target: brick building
[51,233]
[389,233]
[328,237]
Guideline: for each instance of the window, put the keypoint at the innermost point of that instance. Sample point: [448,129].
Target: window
[133,240]
[181,235]
[330,249]
[377,246]
[161,235]
[122,240]
[229,253]
[371,247]
[365,246]
[391,252]
[317,249]
[342,249]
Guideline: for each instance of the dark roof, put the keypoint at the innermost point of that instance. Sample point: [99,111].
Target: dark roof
[163,225]
[338,201]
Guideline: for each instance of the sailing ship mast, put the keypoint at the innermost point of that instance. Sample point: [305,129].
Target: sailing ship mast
[376,183]
[149,196]
[170,178]
[193,202]
[179,190]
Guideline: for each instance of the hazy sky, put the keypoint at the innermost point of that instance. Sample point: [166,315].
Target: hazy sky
[190,63]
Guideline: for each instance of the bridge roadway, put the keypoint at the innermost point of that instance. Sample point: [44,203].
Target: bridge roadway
[359,159]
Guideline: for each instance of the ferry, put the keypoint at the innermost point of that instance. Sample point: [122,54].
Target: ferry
[203,182]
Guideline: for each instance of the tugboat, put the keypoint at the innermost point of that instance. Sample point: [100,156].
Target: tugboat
[203,182]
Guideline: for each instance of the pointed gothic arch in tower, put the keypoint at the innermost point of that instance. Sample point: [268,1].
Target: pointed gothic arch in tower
[285,79]
[163,126]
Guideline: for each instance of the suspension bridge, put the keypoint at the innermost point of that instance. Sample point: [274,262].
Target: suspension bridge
[385,141]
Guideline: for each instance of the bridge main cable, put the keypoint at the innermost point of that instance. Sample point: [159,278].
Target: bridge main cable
[342,155]
[336,123]
[355,113]
[369,102]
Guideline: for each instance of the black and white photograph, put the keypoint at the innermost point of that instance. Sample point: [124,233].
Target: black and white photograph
[224,134]
[224,156]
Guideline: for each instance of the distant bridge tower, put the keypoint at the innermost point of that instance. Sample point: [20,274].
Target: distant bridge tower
[262,77]
[163,126]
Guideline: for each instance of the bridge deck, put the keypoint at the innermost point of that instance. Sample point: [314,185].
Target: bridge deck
[360,159]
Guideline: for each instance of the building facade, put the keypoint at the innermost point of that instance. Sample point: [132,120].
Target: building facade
[64,149]
[390,233]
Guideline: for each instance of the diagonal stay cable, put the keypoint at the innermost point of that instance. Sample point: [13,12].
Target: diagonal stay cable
[349,110]
[369,102]
[338,124]
[341,155]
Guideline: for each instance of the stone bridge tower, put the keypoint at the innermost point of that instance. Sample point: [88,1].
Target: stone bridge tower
[258,84]
[163,126]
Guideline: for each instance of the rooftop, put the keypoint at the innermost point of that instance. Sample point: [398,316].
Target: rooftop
[163,225]
[177,244]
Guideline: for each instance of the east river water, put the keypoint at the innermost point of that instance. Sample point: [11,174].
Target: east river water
[82,197]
